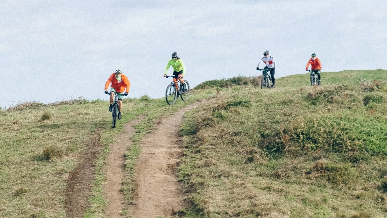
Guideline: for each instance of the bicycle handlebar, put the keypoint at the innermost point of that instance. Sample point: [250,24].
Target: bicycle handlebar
[263,69]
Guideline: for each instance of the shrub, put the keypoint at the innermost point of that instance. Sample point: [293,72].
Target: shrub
[361,215]
[372,99]
[20,191]
[51,152]
[226,83]
[145,98]
[383,187]
[45,116]
[369,86]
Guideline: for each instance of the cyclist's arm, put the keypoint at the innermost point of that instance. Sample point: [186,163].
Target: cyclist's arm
[168,66]
[307,65]
[319,63]
[273,62]
[108,82]
[259,63]
[127,83]
[183,67]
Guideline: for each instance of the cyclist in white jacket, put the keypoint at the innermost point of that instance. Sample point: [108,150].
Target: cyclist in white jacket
[270,63]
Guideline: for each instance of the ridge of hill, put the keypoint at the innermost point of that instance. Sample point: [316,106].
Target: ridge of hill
[291,151]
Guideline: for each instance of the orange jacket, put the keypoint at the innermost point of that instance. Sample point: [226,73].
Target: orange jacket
[119,86]
[316,64]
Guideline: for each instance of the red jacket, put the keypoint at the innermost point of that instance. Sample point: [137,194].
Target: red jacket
[119,86]
[316,64]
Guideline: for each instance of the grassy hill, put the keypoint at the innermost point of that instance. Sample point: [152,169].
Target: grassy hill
[294,150]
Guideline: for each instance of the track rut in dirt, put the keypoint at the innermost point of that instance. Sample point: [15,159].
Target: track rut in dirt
[158,192]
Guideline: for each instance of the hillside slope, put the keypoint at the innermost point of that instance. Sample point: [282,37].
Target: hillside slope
[291,151]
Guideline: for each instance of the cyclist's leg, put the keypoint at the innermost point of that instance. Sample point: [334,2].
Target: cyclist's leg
[119,105]
[119,97]
[318,74]
[272,72]
[175,78]
[180,76]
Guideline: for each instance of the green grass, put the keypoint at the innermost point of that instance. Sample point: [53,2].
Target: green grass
[295,150]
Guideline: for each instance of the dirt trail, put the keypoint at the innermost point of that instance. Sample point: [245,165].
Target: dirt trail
[114,170]
[158,192]
[78,188]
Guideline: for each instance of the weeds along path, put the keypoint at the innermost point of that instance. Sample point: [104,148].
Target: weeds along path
[158,192]
[114,170]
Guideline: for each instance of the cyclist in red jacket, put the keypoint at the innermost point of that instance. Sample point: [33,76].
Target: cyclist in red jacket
[315,65]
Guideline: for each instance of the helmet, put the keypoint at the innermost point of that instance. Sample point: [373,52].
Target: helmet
[174,55]
[265,53]
[314,55]
[118,71]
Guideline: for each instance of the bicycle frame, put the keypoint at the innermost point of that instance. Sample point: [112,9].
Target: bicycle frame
[172,94]
[313,78]
[114,109]
[266,78]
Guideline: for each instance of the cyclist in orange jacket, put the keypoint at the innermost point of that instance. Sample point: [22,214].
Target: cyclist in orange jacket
[315,65]
[119,84]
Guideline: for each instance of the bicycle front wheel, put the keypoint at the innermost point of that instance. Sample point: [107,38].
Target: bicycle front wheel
[313,80]
[184,90]
[114,115]
[171,94]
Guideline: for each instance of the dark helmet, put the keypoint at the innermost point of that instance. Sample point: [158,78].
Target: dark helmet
[174,55]
[314,55]
[265,53]
[118,71]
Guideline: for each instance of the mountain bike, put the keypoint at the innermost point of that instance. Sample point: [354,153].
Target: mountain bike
[265,80]
[114,109]
[314,81]
[171,94]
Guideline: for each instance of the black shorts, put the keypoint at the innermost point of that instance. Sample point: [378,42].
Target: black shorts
[176,74]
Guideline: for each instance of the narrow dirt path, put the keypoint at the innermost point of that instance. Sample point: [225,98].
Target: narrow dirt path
[158,192]
[114,170]
[79,182]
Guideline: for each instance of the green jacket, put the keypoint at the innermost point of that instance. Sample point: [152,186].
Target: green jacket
[177,65]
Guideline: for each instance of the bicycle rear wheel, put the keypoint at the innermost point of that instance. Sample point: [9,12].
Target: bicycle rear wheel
[184,90]
[114,114]
[170,94]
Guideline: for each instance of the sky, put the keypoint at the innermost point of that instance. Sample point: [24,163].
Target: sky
[60,50]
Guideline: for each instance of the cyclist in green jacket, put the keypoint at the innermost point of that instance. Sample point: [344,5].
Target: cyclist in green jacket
[178,69]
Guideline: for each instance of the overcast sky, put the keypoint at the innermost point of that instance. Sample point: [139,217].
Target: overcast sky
[65,49]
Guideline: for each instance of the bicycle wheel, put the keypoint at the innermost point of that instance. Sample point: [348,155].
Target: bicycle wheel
[312,80]
[170,94]
[262,81]
[184,90]
[114,114]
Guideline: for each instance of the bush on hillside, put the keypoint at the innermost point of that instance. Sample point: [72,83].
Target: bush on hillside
[226,83]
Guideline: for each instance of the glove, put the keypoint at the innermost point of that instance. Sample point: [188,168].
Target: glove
[106,92]
[257,68]
[126,94]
